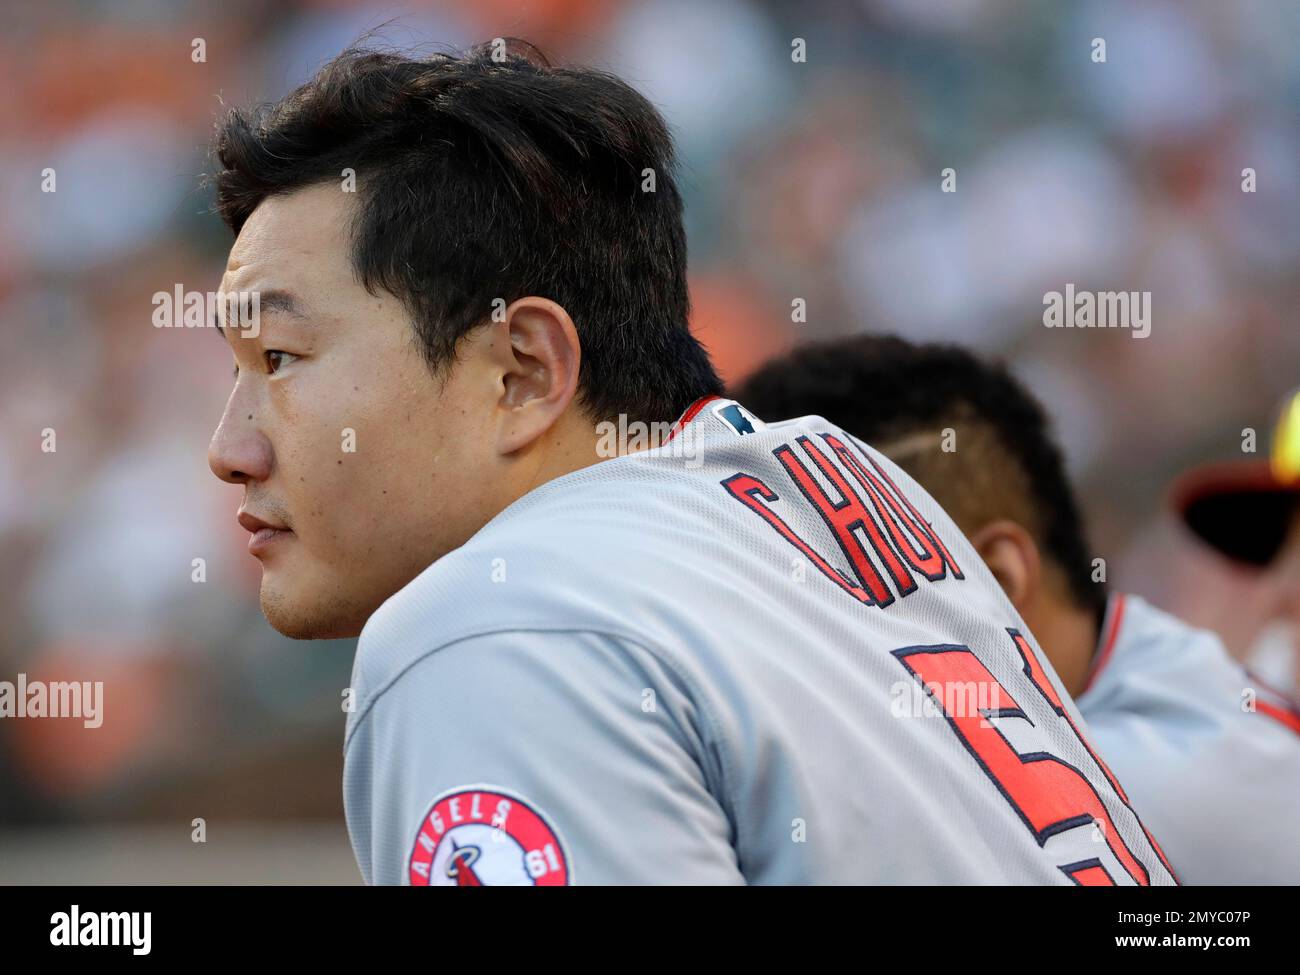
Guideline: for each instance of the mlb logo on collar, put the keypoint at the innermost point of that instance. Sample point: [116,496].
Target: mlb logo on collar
[737,417]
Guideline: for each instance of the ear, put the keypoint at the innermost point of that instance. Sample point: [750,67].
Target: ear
[1012,555]
[538,355]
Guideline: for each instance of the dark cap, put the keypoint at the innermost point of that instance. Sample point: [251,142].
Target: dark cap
[1245,508]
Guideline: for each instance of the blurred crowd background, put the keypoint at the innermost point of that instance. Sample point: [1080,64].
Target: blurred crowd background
[815,180]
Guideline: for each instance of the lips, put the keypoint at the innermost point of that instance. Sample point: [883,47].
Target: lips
[263,533]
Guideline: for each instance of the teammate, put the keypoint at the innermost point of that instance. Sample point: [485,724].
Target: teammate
[1210,757]
[613,628]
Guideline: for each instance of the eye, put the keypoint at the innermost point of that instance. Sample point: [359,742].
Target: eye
[275,359]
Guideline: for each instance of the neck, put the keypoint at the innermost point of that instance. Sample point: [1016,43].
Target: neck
[570,445]
[1068,635]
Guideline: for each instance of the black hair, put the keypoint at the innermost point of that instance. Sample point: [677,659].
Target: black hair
[883,389]
[494,175]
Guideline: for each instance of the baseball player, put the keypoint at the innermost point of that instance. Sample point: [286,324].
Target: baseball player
[1209,756]
[613,628]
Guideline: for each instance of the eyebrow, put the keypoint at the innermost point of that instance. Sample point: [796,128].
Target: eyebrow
[274,300]
[281,301]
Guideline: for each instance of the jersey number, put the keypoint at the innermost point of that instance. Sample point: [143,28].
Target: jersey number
[1048,794]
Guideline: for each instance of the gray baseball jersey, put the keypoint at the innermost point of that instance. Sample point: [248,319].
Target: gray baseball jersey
[753,653]
[1209,755]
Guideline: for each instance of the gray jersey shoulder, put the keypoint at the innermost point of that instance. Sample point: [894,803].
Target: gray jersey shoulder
[1215,777]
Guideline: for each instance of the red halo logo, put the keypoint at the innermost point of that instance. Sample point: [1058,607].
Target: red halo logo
[483,836]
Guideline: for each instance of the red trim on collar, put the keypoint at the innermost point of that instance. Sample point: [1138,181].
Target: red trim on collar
[1114,620]
[1273,689]
[1286,716]
[691,413]
[1287,711]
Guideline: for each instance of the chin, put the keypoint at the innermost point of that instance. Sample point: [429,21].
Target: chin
[302,617]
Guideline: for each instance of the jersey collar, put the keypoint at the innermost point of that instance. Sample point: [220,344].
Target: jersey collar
[691,413]
[1110,627]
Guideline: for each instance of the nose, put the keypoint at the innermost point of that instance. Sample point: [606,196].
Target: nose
[239,452]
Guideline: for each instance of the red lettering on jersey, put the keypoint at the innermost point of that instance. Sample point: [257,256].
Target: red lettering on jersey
[1038,677]
[921,523]
[1048,794]
[845,517]
[1088,873]
[747,490]
[932,559]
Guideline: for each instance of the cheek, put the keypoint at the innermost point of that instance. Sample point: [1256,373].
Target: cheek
[319,450]
[371,465]
[376,456]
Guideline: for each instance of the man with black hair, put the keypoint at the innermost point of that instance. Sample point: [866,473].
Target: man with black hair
[1210,758]
[613,629]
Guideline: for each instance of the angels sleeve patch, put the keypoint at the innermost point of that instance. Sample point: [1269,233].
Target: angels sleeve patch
[481,836]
